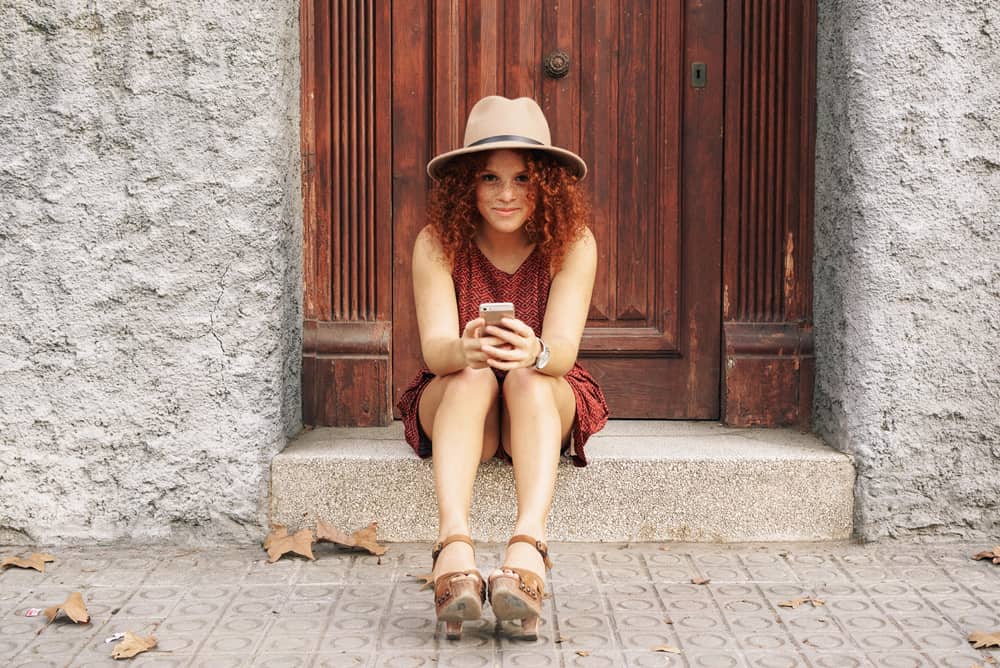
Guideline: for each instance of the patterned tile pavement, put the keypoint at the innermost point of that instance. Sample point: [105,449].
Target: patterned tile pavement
[891,605]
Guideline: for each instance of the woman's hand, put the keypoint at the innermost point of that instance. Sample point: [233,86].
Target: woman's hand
[474,344]
[518,346]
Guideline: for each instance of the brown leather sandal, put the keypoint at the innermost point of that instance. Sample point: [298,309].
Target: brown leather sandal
[459,595]
[516,593]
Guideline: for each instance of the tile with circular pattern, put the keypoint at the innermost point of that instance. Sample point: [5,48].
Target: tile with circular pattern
[693,623]
[36,661]
[647,639]
[764,640]
[509,635]
[601,658]
[243,644]
[828,659]
[962,659]
[412,632]
[483,658]
[404,659]
[341,660]
[344,641]
[702,659]
[284,660]
[656,621]
[754,623]
[283,641]
[318,573]
[219,661]
[577,605]
[775,659]
[899,659]
[200,608]
[513,658]
[242,625]
[648,659]
[883,641]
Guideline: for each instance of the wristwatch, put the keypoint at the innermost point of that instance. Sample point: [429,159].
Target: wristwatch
[543,355]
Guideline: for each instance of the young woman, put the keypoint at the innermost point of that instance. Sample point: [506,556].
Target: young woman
[507,223]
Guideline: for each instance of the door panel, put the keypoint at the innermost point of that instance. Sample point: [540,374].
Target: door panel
[653,146]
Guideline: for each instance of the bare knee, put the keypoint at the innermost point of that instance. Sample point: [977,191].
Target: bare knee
[526,386]
[472,386]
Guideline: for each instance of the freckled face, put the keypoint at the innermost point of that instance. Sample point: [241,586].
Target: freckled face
[504,194]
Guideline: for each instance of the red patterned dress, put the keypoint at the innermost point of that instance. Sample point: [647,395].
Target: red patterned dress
[477,280]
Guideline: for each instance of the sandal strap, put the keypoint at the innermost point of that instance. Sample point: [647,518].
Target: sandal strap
[455,538]
[542,548]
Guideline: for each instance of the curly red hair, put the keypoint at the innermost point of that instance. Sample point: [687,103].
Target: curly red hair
[561,209]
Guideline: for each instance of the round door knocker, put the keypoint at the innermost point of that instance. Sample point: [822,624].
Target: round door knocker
[556,64]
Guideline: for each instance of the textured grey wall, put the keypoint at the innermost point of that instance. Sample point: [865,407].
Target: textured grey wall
[907,300]
[150,259]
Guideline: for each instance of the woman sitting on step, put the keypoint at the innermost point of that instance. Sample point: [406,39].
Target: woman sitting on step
[506,223]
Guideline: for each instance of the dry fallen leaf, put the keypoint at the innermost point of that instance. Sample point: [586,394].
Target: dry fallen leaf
[667,620]
[700,581]
[363,538]
[74,607]
[278,542]
[562,638]
[666,648]
[583,652]
[982,639]
[993,554]
[426,579]
[796,602]
[36,561]
[132,645]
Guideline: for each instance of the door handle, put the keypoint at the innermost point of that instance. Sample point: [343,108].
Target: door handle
[556,64]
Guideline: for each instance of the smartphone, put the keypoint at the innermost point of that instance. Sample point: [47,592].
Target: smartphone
[493,311]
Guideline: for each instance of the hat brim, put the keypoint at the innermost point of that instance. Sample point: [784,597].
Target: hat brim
[574,162]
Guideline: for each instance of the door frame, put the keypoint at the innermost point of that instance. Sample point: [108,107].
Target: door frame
[767,208]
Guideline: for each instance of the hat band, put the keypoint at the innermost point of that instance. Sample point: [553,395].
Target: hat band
[499,138]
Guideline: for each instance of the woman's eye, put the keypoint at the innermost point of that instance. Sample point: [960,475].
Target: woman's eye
[488,178]
[522,178]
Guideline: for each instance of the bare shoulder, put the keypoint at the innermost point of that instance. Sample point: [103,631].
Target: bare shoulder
[581,252]
[428,247]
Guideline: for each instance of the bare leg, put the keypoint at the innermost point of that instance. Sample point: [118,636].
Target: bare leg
[538,416]
[459,413]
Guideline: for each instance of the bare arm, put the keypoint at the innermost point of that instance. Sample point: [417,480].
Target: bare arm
[569,304]
[444,350]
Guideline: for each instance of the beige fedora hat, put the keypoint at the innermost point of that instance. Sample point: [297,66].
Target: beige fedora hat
[498,122]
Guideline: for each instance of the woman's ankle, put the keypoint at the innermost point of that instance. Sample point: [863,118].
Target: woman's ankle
[445,531]
[533,529]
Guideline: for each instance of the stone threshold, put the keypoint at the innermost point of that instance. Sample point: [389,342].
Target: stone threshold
[647,481]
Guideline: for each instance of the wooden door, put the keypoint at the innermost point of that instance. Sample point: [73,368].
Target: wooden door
[653,143]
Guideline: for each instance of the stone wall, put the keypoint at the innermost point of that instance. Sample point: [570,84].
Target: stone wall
[907,265]
[150,260]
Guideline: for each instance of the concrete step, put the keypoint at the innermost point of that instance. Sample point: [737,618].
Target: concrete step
[647,481]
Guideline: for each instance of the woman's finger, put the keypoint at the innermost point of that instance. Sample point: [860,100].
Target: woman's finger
[492,341]
[503,366]
[504,354]
[518,327]
[514,338]
[472,326]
